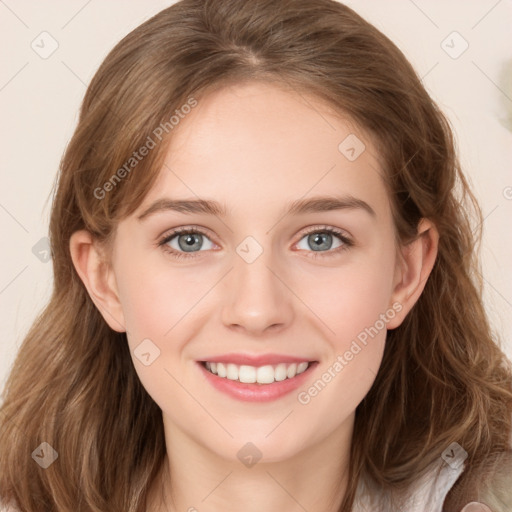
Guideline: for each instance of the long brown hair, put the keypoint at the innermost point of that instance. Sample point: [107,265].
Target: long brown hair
[73,385]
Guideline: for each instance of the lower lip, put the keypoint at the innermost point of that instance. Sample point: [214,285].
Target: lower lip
[257,392]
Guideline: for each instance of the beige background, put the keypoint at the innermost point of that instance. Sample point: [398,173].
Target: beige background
[40,97]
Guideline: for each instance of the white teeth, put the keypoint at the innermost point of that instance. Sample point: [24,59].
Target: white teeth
[247,374]
[265,374]
[261,374]
[232,372]
[292,370]
[301,367]
[280,372]
[221,370]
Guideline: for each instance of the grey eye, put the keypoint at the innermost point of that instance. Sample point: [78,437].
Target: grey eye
[320,241]
[189,242]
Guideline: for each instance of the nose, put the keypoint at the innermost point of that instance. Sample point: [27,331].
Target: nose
[257,297]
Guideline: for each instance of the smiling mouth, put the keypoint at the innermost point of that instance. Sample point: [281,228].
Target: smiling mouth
[266,374]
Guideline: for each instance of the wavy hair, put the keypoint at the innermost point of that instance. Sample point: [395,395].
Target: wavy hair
[73,385]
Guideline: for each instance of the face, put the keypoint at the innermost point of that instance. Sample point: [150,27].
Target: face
[291,261]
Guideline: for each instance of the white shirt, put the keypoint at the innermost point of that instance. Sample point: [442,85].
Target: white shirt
[427,494]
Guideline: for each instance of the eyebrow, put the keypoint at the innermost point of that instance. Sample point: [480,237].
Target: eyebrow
[300,206]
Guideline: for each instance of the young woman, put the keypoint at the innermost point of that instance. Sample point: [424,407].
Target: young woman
[265,292]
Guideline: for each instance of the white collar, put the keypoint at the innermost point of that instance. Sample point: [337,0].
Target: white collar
[427,494]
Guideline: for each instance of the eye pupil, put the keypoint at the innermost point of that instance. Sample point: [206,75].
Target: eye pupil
[190,241]
[318,241]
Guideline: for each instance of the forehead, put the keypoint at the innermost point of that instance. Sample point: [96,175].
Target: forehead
[258,142]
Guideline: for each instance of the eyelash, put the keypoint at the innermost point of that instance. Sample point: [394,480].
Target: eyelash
[191,230]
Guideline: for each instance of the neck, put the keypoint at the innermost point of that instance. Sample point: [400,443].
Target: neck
[193,479]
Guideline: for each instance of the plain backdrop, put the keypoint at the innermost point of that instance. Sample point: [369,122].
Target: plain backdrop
[50,51]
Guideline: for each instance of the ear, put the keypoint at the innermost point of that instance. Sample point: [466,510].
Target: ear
[97,275]
[414,265]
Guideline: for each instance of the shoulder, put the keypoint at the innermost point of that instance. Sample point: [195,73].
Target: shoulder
[433,487]
[426,494]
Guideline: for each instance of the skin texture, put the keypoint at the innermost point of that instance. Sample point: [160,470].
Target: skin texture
[255,147]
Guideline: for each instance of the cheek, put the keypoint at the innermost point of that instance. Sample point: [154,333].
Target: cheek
[155,295]
[354,308]
[352,297]
[353,303]
[157,302]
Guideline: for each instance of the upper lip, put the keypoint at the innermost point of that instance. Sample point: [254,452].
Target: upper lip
[256,359]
